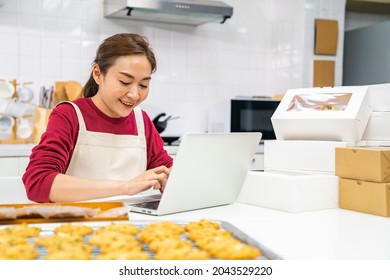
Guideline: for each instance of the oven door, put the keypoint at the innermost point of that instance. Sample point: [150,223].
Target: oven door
[253,116]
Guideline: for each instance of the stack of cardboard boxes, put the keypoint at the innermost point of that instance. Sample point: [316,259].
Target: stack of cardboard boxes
[299,167]
[365,171]
[364,179]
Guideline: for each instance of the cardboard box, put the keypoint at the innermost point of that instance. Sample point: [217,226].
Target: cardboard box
[326,37]
[376,143]
[323,73]
[378,127]
[315,156]
[328,114]
[364,163]
[290,191]
[379,97]
[366,197]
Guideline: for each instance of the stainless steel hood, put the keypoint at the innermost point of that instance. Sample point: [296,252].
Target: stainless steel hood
[188,12]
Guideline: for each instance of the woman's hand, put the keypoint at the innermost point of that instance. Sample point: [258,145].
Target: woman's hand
[155,178]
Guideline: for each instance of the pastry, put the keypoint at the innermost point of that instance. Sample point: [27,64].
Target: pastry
[122,228]
[74,229]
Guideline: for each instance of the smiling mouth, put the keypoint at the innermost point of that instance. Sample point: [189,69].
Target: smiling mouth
[129,104]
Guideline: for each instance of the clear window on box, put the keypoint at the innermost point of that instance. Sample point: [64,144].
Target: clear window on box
[320,102]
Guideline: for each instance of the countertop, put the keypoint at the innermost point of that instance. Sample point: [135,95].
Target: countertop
[334,234]
[172,149]
[16,150]
[24,150]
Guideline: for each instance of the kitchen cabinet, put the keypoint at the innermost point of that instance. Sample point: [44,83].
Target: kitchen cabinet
[9,166]
[13,166]
[14,159]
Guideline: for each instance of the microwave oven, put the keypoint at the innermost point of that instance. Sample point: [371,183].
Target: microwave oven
[243,115]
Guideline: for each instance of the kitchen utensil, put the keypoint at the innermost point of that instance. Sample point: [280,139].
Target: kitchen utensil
[6,89]
[170,139]
[45,97]
[24,93]
[6,125]
[15,108]
[24,128]
[162,125]
[6,122]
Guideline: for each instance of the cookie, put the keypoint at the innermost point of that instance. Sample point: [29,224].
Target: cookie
[48,241]
[169,244]
[74,229]
[122,228]
[22,230]
[18,252]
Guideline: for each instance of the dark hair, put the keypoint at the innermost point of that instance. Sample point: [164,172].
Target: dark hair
[118,45]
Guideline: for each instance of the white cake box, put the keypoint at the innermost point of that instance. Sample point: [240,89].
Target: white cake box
[290,191]
[301,155]
[378,127]
[379,97]
[328,114]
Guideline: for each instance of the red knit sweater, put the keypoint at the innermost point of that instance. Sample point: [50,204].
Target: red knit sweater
[54,152]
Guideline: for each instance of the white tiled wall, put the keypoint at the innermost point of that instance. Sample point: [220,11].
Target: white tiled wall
[261,50]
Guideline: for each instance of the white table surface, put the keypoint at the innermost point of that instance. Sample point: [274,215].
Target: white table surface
[333,234]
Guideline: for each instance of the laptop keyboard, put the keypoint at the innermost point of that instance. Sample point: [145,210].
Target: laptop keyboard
[148,204]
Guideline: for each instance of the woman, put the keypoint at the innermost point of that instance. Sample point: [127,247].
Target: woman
[102,145]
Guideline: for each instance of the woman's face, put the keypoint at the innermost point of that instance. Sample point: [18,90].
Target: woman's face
[125,85]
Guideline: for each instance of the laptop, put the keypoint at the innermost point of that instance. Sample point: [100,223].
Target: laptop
[209,170]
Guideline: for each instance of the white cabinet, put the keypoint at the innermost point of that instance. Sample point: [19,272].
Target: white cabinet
[23,162]
[13,166]
[9,166]
[12,190]
[14,159]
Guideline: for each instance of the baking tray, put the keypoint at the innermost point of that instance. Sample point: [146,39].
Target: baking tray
[36,219]
[48,230]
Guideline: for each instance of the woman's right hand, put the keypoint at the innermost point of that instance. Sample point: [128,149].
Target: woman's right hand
[155,178]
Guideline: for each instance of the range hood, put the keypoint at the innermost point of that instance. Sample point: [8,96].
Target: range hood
[188,12]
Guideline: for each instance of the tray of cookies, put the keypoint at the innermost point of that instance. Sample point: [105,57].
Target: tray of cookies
[63,212]
[136,240]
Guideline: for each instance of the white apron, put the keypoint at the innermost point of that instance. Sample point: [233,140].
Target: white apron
[108,156]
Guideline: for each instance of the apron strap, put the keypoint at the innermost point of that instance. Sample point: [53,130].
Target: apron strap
[79,115]
[139,121]
[137,114]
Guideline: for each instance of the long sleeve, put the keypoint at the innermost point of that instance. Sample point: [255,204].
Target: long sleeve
[54,152]
[51,156]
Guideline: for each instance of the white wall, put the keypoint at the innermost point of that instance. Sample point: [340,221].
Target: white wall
[260,51]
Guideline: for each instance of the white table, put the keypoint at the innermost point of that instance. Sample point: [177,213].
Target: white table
[317,235]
